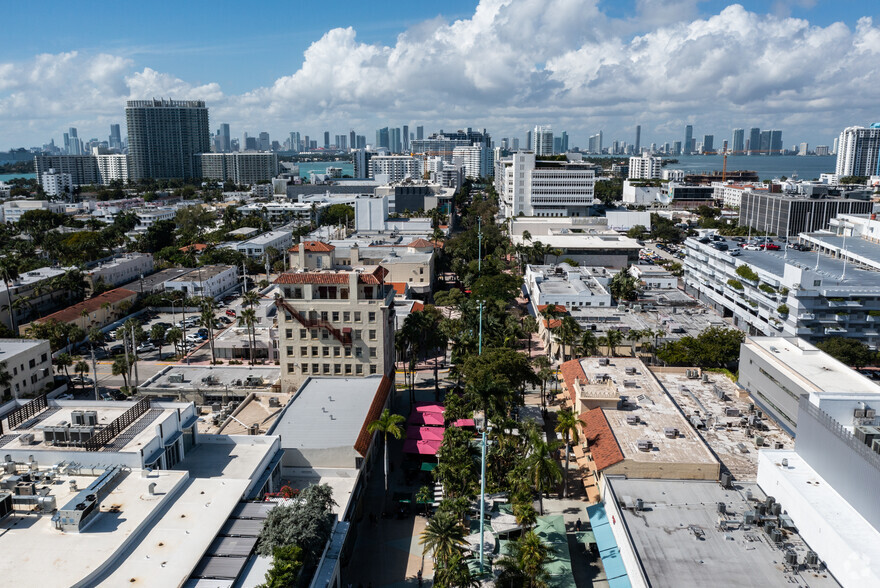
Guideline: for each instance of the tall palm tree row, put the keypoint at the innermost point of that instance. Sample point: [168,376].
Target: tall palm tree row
[248,319]
[443,538]
[567,423]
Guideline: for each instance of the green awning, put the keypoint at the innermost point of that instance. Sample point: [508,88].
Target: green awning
[428,466]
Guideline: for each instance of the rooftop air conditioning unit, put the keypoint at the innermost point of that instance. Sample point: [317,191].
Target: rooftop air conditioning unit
[671,432]
[175,378]
[859,413]
[645,444]
[26,439]
[870,413]
[630,371]
[603,361]
[632,419]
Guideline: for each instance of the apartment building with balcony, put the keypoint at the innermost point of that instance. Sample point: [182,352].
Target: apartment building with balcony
[336,323]
[809,294]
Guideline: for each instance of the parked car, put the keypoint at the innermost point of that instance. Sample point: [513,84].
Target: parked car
[720,246]
[770,246]
[106,396]
[751,247]
[230,312]
[225,320]
[146,347]
[739,239]
[82,381]
[64,397]
[117,350]
[735,252]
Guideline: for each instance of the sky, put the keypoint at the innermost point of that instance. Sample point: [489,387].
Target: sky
[808,67]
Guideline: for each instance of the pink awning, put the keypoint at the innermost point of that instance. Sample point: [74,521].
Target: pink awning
[421,446]
[464,423]
[425,433]
[434,419]
[428,407]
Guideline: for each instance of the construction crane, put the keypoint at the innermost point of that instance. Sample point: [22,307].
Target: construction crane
[731,152]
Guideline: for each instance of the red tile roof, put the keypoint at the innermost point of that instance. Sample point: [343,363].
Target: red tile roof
[603,444]
[417,307]
[362,444]
[558,307]
[198,247]
[419,243]
[73,313]
[399,287]
[318,247]
[552,324]
[332,277]
[571,371]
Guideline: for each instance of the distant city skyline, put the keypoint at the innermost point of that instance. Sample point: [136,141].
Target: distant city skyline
[588,67]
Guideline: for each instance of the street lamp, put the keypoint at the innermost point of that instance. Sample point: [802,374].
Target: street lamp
[482,425]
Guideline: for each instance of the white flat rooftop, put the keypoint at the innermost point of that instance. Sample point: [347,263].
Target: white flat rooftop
[33,548]
[818,371]
[833,528]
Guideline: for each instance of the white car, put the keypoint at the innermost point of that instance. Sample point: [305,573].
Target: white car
[82,380]
[735,252]
[751,247]
[145,347]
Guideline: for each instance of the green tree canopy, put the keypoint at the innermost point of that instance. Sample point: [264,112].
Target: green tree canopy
[714,347]
[852,352]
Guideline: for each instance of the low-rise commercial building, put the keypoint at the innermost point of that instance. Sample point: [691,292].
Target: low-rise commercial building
[564,285]
[206,280]
[593,248]
[96,312]
[787,215]
[255,247]
[14,209]
[29,365]
[206,384]
[654,276]
[120,270]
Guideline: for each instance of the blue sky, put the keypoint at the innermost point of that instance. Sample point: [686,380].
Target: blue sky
[577,64]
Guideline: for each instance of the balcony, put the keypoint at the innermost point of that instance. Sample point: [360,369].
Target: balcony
[834,330]
[806,316]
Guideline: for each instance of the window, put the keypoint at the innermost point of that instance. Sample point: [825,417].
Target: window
[304,351]
[337,351]
[337,369]
[323,315]
[357,316]
[303,334]
[355,334]
[421,271]
[335,316]
[288,333]
[304,368]
[348,352]
[372,334]
[372,352]
[290,368]
[32,363]
[314,333]
[326,368]
[347,369]
[43,358]
[346,316]
[371,317]
[314,351]
[372,368]
[325,351]
[359,369]
[315,368]
[357,352]
[289,350]
[343,293]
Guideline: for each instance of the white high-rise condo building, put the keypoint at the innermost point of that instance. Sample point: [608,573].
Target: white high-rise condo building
[396,167]
[858,151]
[475,160]
[532,187]
[544,140]
[645,167]
[56,183]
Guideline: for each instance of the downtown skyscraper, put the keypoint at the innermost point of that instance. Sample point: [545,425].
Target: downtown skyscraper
[164,136]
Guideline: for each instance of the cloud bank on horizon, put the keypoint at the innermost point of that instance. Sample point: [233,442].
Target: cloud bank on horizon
[509,66]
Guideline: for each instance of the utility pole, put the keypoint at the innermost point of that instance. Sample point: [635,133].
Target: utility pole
[134,352]
[479,245]
[483,461]
[95,373]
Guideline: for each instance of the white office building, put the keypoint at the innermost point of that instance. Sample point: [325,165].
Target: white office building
[395,167]
[207,280]
[858,151]
[564,285]
[730,194]
[645,167]
[112,167]
[14,209]
[121,270]
[532,187]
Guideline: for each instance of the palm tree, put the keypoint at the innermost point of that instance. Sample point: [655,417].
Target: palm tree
[248,319]
[588,345]
[543,471]
[634,336]
[455,573]
[63,362]
[530,327]
[544,373]
[157,333]
[612,339]
[120,368]
[9,268]
[425,496]
[82,368]
[567,424]
[568,332]
[443,538]
[387,424]
[173,336]
[207,320]
[624,286]
[525,563]
[251,298]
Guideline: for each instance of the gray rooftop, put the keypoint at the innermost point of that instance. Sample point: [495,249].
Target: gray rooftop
[679,542]
[326,413]
[193,376]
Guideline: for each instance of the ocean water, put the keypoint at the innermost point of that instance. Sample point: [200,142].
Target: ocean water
[321,167]
[7,177]
[768,167]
